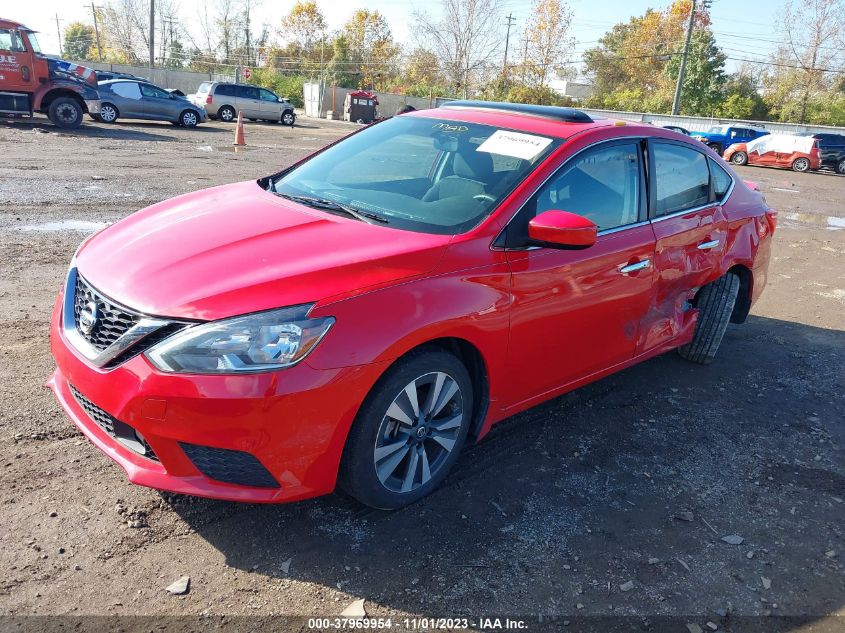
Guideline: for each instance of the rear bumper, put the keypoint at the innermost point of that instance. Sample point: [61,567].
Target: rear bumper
[292,423]
[93,106]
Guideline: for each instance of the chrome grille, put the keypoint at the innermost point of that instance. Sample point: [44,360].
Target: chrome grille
[113,321]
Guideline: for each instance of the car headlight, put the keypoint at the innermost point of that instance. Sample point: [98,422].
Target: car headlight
[262,341]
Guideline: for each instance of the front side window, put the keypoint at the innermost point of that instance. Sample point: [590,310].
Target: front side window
[682,180]
[11,41]
[420,174]
[151,91]
[266,95]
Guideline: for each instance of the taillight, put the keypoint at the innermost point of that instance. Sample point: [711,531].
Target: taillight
[771,222]
[208,99]
[25,74]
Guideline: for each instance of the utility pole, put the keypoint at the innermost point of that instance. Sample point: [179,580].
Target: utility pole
[247,11]
[676,103]
[511,20]
[59,33]
[152,33]
[97,32]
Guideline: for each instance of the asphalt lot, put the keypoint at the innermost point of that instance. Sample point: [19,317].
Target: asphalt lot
[635,478]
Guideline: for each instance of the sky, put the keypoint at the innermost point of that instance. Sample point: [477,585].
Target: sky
[744,28]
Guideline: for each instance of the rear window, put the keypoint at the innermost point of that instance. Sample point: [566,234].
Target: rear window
[203,88]
[683,180]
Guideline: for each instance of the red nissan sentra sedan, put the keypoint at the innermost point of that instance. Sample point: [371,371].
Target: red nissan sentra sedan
[359,317]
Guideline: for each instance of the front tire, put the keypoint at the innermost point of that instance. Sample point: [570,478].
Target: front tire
[715,147]
[840,167]
[715,303]
[108,113]
[65,113]
[739,158]
[288,118]
[801,165]
[409,431]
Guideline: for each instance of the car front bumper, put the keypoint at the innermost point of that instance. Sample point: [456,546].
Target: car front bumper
[269,437]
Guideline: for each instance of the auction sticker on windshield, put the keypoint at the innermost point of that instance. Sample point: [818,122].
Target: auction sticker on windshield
[525,146]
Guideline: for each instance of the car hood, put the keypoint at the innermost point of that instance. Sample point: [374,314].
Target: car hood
[237,249]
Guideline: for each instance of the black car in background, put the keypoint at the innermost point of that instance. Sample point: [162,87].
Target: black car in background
[832,148]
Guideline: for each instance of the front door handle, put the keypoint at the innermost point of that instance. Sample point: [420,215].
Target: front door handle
[632,268]
[705,246]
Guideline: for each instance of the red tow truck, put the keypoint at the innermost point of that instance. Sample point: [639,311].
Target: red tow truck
[32,82]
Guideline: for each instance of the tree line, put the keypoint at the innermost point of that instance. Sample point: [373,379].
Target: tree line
[469,50]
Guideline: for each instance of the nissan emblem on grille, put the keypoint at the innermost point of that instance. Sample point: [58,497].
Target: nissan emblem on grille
[88,317]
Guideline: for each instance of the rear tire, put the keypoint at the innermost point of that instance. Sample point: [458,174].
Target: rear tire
[715,303]
[65,113]
[108,113]
[739,158]
[801,165]
[389,463]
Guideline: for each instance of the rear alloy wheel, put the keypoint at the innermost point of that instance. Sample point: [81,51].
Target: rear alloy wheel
[188,118]
[108,113]
[715,303]
[715,147]
[226,114]
[409,431]
[65,112]
[739,158]
[288,118]
[840,167]
[801,165]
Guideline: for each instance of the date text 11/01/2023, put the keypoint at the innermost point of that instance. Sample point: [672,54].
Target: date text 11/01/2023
[418,624]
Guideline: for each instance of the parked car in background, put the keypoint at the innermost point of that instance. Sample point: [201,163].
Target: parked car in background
[223,101]
[832,149]
[133,99]
[677,128]
[800,153]
[361,316]
[720,137]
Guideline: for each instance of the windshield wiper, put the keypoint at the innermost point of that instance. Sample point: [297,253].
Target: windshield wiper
[335,207]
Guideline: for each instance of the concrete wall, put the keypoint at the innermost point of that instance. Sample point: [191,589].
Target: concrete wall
[701,124]
[184,80]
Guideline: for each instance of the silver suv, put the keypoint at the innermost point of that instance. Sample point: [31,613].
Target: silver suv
[224,100]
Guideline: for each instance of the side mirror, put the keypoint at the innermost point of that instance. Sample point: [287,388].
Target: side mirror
[561,229]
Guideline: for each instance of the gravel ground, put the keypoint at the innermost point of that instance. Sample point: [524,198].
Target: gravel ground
[610,501]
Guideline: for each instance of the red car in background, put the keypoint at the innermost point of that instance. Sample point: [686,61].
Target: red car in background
[788,151]
[358,317]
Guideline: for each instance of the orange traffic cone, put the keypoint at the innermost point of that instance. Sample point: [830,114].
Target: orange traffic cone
[239,130]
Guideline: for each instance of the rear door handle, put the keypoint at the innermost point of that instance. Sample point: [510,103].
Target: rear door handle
[631,268]
[704,246]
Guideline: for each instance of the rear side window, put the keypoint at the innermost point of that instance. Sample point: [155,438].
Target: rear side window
[225,90]
[247,92]
[721,180]
[126,89]
[682,178]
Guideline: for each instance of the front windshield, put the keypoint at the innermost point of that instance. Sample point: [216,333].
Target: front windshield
[33,42]
[421,174]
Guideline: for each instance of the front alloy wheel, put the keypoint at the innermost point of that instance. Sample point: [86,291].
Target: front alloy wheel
[418,432]
[108,113]
[288,118]
[409,431]
[739,158]
[189,119]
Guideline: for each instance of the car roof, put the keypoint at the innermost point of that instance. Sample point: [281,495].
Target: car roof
[547,120]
